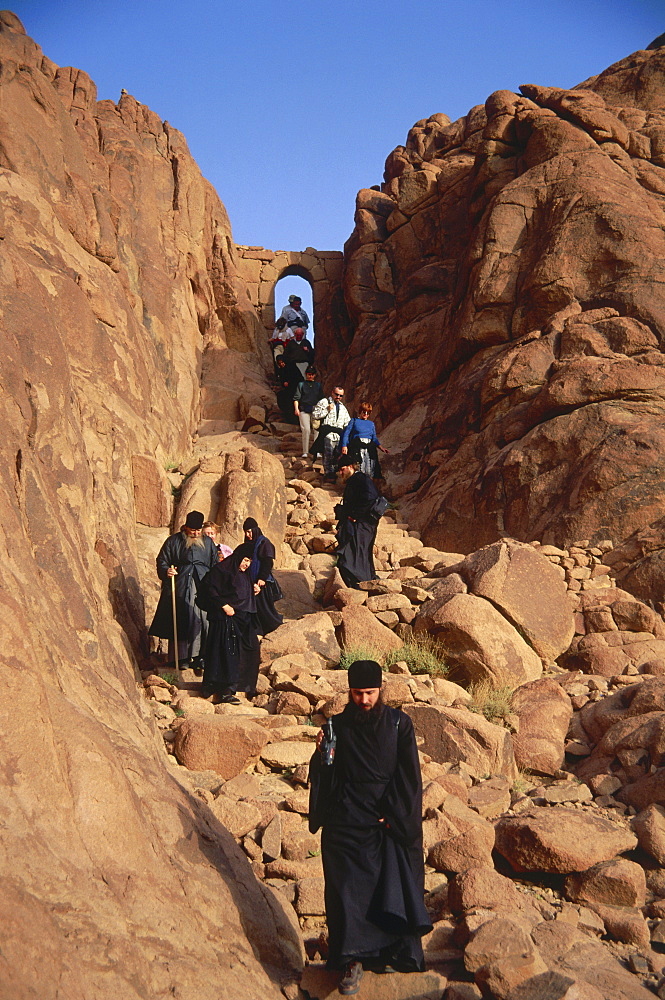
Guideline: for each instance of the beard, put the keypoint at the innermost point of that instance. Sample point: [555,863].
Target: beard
[190,541]
[361,717]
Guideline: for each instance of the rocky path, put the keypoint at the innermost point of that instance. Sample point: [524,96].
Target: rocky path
[544,818]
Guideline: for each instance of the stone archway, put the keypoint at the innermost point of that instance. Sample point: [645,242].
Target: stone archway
[262,269]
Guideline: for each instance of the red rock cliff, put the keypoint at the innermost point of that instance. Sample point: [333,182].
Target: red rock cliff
[116,278]
[506,285]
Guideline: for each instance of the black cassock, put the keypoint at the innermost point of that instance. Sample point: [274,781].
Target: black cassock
[374,874]
[355,538]
[193,563]
[232,650]
[261,569]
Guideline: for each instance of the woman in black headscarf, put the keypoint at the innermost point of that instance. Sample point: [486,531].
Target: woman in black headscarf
[232,650]
[263,558]
[357,523]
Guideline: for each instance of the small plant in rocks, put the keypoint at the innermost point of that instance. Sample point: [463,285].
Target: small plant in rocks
[359,652]
[490,701]
[422,654]
[521,785]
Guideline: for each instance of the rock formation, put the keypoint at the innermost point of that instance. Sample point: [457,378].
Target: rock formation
[505,283]
[117,288]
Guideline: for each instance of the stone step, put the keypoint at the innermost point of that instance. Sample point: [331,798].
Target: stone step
[320,984]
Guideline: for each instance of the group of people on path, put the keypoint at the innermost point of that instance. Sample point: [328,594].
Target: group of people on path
[214,604]
[366,785]
[300,397]
[292,351]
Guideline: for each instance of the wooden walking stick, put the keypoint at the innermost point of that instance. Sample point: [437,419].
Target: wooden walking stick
[175,623]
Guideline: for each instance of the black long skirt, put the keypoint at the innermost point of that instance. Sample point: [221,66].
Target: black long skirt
[268,617]
[374,908]
[355,551]
[231,655]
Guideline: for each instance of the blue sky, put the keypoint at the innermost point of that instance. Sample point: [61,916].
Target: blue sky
[289,109]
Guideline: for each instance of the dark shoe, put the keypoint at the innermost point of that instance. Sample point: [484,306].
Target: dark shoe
[349,984]
[229,699]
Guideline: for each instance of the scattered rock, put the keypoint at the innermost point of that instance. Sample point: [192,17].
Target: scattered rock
[559,839]
[218,743]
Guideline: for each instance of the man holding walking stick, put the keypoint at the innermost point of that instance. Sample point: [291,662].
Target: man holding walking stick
[184,560]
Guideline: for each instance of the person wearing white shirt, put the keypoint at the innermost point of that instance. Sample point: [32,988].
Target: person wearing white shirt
[334,416]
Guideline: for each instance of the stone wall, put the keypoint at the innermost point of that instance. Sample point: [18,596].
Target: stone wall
[261,269]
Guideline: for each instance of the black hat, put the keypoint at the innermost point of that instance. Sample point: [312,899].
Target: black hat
[194,520]
[365,674]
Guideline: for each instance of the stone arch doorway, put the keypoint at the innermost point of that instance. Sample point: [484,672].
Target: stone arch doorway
[295,284]
[262,269]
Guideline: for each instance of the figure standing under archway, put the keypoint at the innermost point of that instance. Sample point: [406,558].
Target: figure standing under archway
[294,314]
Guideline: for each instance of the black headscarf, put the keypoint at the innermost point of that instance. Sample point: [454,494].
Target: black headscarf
[229,566]
[251,525]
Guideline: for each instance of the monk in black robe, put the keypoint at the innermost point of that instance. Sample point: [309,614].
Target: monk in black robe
[232,650]
[357,521]
[187,557]
[369,803]
[260,571]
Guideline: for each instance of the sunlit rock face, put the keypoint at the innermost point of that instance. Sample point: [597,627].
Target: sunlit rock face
[117,282]
[506,284]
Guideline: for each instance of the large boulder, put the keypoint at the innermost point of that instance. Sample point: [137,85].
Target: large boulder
[451,735]
[312,633]
[479,643]
[221,743]
[466,843]
[501,955]
[560,839]
[297,588]
[527,589]
[618,882]
[481,893]
[359,628]
[571,952]
[228,488]
[543,712]
[649,826]
[646,791]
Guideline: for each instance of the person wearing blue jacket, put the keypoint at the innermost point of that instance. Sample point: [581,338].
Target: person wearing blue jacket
[359,440]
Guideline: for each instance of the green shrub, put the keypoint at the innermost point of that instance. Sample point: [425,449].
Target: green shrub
[490,701]
[359,652]
[422,654]
[170,677]
[522,784]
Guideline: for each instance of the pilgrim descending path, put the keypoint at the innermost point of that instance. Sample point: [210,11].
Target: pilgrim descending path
[249,763]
